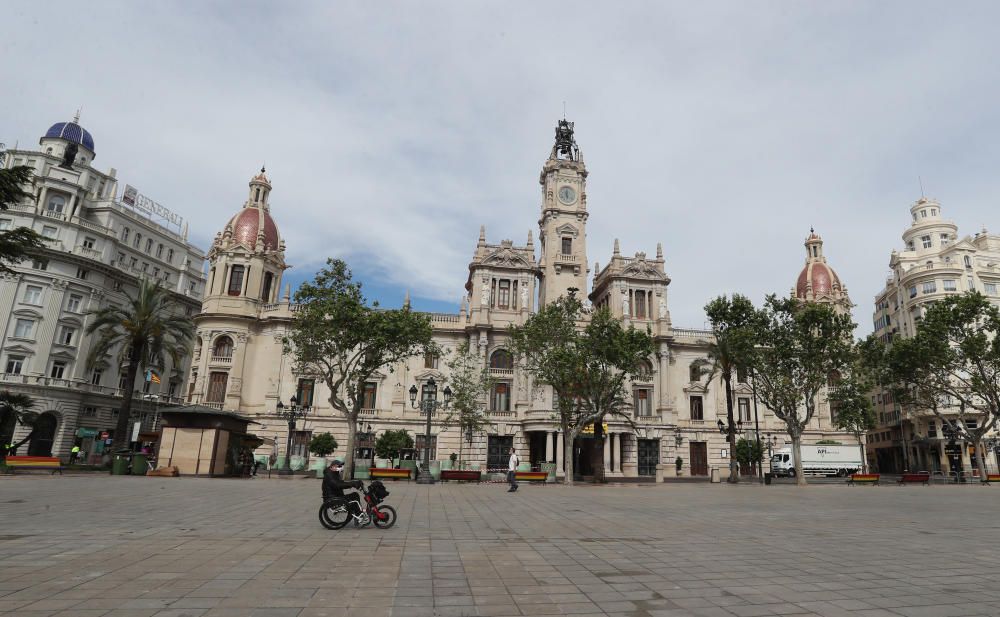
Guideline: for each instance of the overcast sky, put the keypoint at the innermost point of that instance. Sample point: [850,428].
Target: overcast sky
[392,132]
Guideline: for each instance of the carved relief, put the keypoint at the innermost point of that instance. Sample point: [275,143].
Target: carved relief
[506,257]
[485,300]
[663,307]
[235,385]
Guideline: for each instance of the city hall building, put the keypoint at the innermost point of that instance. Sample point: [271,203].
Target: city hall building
[238,364]
[100,241]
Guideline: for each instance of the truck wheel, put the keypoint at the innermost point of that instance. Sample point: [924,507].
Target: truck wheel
[791,473]
[841,473]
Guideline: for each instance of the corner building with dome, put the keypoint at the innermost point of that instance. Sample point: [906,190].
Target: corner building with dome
[238,363]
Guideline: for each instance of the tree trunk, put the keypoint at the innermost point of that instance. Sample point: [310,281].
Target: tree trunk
[800,477]
[569,438]
[597,451]
[734,476]
[352,423]
[121,439]
[981,459]
[864,458]
[460,459]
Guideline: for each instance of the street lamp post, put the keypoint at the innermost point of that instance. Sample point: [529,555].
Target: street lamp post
[729,429]
[290,414]
[428,404]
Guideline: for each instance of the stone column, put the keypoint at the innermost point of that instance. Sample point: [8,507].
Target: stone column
[549,438]
[560,459]
[607,452]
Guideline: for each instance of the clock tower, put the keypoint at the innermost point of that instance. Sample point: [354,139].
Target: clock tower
[563,222]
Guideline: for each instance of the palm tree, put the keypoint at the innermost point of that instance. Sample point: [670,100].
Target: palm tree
[14,409]
[148,328]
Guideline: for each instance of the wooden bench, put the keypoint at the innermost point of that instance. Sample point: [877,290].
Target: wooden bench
[864,478]
[390,474]
[531,476]
[922,477]
[465,475]
[991,478]
[40,463]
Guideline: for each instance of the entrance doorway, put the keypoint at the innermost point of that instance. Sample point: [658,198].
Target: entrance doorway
[699,458]
[581,457]
[498,452]
[43,433]
[536,448]
[649,456]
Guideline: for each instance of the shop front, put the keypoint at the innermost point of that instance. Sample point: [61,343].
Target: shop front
[201,441]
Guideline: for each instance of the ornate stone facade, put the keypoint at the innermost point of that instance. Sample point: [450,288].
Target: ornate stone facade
[239,364]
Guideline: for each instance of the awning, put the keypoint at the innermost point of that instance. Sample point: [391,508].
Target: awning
[86,432]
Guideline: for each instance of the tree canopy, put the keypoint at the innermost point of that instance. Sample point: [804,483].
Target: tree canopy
[470,383]
[18,243]
[15,409]
[338,337]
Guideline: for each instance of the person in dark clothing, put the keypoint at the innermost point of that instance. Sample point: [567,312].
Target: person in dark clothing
[334,485]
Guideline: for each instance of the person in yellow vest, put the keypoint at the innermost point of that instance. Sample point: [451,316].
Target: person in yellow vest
[73,453]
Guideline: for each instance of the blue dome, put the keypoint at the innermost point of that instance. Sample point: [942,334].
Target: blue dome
[71,131]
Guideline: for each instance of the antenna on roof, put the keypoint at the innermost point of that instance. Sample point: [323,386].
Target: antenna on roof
[564,110]
[76,118]
[921,181]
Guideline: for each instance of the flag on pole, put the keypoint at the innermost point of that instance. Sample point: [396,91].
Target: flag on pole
[151,376]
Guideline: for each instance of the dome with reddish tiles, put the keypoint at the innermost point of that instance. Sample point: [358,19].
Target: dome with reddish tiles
[249,222]
[817,279]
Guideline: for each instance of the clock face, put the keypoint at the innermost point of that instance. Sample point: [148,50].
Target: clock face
[567,195]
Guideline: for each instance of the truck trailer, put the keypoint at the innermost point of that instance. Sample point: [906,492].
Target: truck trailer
[824,460]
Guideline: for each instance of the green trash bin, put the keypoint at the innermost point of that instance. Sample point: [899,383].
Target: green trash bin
[119,465]
[139,466]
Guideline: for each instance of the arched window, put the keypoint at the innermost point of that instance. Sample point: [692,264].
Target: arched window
[223,347]
[502,359]
[236,281]
[137,241]
[265,295]
[644,371]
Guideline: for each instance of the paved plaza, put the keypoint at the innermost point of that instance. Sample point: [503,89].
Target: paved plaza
[89,546]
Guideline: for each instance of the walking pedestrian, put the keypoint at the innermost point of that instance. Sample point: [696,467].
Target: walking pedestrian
[511,471]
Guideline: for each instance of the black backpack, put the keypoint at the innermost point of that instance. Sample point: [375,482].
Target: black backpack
[378,491]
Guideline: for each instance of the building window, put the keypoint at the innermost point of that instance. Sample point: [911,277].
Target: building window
[567,246]
[990,289]
[149,245]
[503,295]
[420,447]
[170,255]
[929,287]
[217,387]
[909,245]
[971,283]
[266,293]
[950,285]
[931,428]
[641,399]
[82,273]
[697,411]
[39,264]
[122,381]
[640,304]
[371,391]
[968,262]
[89,412]
[32,294]
[743,404]
[58,370]
[49,232]
[923,214]
[6,224]
[73,303]
[95,376]
[67,335]
[145,267]
[15,364]
[694,372]
[304,392]
[56,204]
[88,243]
[133,263]
[913,291]
[926,241]
[159,251]
[431,360]
[741,374]
[23,328]
[137,240]
[501,359]
[236,281]
[223,347]
[125,234]
[500,398]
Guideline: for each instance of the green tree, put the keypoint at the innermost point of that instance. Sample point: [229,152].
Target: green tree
[951,367]
[337,337]
[798,347]
[470,383]
[18,243]
[323,444]
[728,353]
[749,453]
[851,405]
[14,409]
[391,442]
[148,329]
[588,363]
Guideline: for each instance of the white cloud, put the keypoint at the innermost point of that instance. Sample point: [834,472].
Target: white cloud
[392,132]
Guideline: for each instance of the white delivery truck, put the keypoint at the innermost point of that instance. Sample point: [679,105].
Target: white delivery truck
[820,460]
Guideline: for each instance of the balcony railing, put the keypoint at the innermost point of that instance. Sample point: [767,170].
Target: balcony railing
[222,360]
[88,252]
[368,412]
[502,414]
[81,385]
[502,372]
